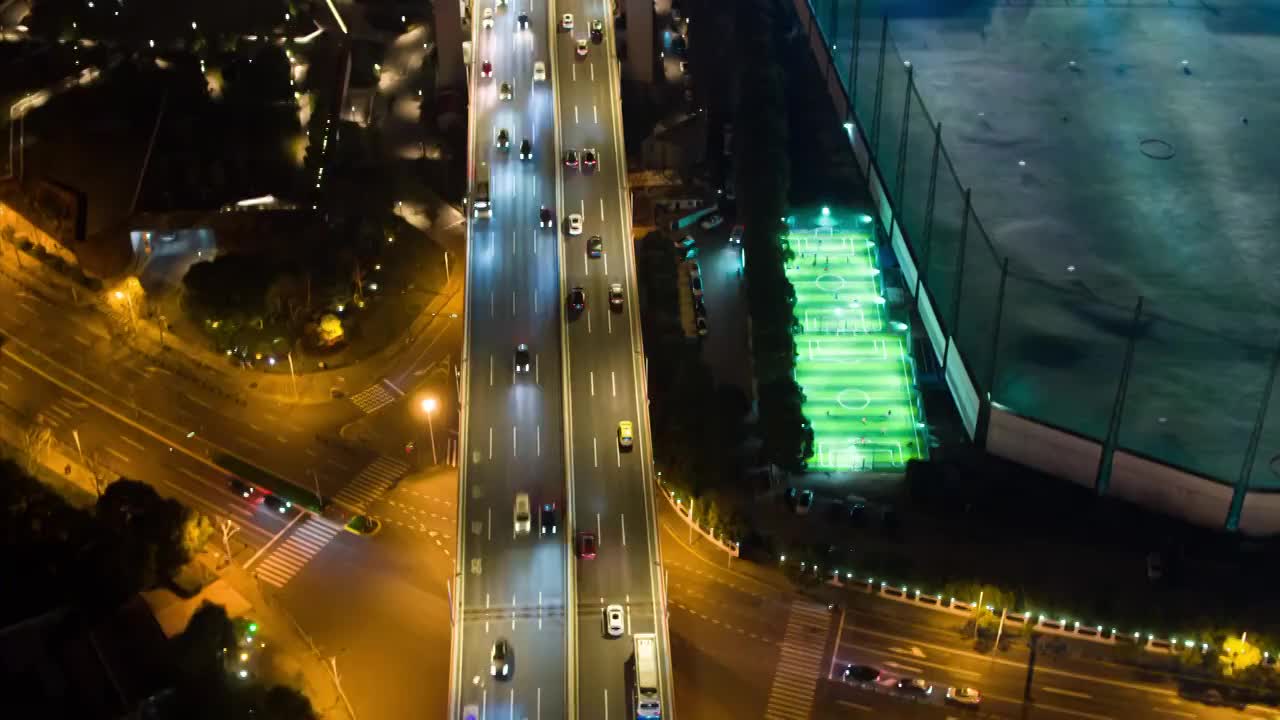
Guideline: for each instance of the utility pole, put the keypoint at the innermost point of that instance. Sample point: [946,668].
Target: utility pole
[1031,668]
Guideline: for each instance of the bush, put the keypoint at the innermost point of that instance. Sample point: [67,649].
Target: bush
[92,283]
[25,244]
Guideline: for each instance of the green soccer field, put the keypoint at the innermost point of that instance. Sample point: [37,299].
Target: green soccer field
[853,361]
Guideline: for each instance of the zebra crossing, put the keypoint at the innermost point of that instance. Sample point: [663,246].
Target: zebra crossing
[377,396]
[290,556]
[372,481]
[800,662]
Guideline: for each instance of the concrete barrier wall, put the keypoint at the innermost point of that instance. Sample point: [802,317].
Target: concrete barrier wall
[1046,449]
[1169,490]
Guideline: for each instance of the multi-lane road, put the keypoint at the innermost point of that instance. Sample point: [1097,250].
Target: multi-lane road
[512,586]
[552,433]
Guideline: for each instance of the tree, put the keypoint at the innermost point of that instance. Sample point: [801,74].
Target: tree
[152,536]
[36,443]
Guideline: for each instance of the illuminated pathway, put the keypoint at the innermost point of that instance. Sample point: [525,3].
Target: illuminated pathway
[853,361]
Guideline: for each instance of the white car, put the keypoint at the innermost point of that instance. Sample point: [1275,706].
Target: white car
[522,514]
[539,71]
[712,222]
[566,21]
[583,49]
[614,626]
[486,19]
[966,696]
[575,224]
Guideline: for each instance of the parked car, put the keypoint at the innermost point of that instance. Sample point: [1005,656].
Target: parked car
[915,687]
[860,673]
[712,222]
[964,696]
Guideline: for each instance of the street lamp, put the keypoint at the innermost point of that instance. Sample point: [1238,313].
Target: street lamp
[428,406]
[133,318]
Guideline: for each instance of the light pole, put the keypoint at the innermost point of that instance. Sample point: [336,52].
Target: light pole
[429,407]
[294,379]
[133,318]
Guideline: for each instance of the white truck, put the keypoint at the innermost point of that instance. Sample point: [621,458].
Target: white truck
[648,705]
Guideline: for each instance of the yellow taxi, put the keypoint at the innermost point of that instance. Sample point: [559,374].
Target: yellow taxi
[625,436]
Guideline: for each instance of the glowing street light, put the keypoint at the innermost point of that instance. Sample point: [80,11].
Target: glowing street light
[428,405]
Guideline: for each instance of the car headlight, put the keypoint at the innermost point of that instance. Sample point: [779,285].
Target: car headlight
[504,669]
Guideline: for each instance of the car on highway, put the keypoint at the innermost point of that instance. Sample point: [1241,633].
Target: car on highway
[504,139]
[522,21]
[486,69]
[277,503]
[500,660]
[545,218]
[583,47]
[860,673]
[502,3]
[800,500]
[615,296]
[914,687]
[566,21]
[471,712]
[526,149]
[584,544]
[548,519]
[614,624]
[685,242]
[578,299]
[626,434]
[571,158]
[595,246]
[575,224]
[695,270]
[699,307]
[597,31]
[486,19]
[589,158]
[523,359]
[712,222]
[539,71]
[700,325]
[964,696]
[245,490]
[695,285]
[504,92]
[735,235]
[521,514]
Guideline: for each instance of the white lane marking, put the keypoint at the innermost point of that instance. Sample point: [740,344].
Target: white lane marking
[486,629]
[535,303]
[538,439]
[575,116]
[1179,713]
[513,242]
[513,303]
[513,627]
[132,442]
[81,340]
[251,443]
[117,454]
[613,382]
[601,209]
[1068,693]
[198,401]
[588,313]
[538,714]
[490,371]
[535,370]
[275,537]
[591,376]
[573,72]
[592,68]
[606,264]
[608,321]
[492,304]
[595,114]
[490,442]
[60,411]
[513,442]
[599,531]
[617,450]
[11,371]
[904,668]
[586,264]
[606,703]
[595,454]
[1069,711]
[623,518]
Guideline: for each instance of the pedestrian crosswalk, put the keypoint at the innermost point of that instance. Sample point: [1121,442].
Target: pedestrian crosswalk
[800,663]
[372,481]
[307,539]
[377,396]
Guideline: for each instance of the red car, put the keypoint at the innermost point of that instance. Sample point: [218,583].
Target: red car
[486,69]
[586,545]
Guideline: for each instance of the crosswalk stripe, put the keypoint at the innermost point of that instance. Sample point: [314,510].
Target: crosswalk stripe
[376,396]
[291,555]
[372,482]
[795,680]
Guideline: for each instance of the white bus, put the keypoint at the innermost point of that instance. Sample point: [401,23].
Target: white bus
[648,706]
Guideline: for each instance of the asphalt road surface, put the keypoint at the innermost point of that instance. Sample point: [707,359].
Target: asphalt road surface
[611,486]
[513,585]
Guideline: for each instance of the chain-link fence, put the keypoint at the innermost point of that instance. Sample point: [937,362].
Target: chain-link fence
[1130,378]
